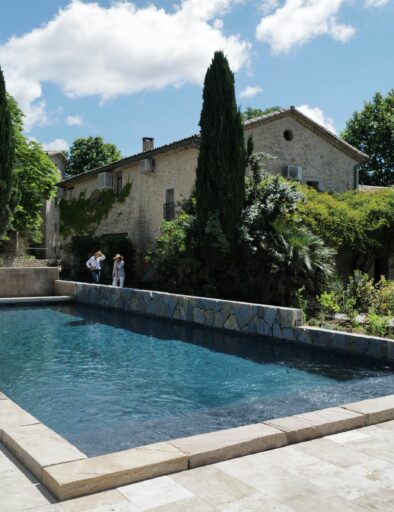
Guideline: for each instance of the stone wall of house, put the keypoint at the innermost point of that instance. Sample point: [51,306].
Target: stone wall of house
[320,160]
[27,282]
[139,217]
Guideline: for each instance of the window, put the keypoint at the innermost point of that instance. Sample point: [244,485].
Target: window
[313,184]
[56,201]
[70,192]
[119,183]
[288,135]
[169,205]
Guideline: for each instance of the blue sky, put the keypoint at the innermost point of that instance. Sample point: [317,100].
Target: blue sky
[125,69]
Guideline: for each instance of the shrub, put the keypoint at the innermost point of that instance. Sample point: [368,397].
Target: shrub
[329,303]
[378,325]
[384,298]
[362,289]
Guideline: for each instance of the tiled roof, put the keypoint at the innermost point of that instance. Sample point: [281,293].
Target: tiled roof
[187,141]
[193,140]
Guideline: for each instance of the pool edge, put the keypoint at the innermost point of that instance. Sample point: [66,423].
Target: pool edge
[73,475]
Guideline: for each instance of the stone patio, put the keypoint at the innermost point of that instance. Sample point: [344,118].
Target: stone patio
[346,472]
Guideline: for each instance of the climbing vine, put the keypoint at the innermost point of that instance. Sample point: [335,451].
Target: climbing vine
[83,214]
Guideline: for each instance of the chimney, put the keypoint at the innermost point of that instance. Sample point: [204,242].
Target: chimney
[147,143]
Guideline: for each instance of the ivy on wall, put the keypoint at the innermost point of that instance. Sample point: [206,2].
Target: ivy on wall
[82,215]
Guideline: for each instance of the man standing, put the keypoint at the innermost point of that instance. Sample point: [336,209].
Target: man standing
[94,265]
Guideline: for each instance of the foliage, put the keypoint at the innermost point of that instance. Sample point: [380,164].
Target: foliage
[372,131]
[361,221]
[89,153]
[220,175]
[175,267]
[378,325]
[274,257]
[35,180]
[83,214]
[251,113]
[329,303]
[362,289]
[7,155]
[384,297]
[301,302]
[82,247]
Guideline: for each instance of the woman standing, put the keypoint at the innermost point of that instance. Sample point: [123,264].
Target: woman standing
[94,265]
[118,272]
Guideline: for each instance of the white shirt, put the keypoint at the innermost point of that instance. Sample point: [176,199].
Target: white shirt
[95,263]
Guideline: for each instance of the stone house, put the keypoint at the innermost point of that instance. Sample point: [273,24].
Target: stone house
[165,175]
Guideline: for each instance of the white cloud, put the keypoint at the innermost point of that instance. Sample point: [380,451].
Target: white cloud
[376,3]
[87,49]
[74,120]
[298,21]
[317,115]
[250,91]
[56,145]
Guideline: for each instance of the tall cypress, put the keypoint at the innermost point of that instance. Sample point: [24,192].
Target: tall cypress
[7,155]
[220,180]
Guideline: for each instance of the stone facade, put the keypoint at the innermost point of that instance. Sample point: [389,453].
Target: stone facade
[237,317]
[325,160]
[27,282]
[50,227]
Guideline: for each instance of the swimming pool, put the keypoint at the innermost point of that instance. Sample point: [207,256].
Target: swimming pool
[108,380]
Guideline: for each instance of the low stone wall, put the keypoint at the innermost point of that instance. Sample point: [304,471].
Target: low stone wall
[222,314]
[281,323]
[27,282]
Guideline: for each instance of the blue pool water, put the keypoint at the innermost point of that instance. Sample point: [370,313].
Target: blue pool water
[108,380]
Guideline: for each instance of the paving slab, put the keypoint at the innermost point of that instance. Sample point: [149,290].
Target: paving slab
[11,415]
[311,425]
[376,410]
[18,488]
[227,444]
[74,479]
[37,446]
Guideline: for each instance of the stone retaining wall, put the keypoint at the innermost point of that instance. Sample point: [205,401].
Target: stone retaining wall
[222,314]
[27,282]
[281,323]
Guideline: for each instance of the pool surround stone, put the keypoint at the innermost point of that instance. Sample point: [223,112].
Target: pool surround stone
[84,476]
[227,444]
[37,447]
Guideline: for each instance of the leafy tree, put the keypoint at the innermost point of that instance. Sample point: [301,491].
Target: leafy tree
[88,153]
[220,175]
[358,220]
[7,154]
[251,113]
[36,179]
[372,131]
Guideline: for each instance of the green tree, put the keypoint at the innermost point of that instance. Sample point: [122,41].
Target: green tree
[220,175]
[36,178]
[89,153]
[372,131]
[251,113]
[7,153]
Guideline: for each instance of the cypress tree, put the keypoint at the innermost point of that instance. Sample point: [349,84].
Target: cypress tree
[220,180]
[7,153]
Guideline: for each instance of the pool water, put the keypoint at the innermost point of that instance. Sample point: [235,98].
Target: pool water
[108,380]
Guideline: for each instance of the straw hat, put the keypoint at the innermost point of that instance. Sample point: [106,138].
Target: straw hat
[117,256]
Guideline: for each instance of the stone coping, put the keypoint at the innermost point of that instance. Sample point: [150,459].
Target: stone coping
[5,301]
[68,473]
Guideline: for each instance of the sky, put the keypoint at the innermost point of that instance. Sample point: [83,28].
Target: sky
[125,70]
